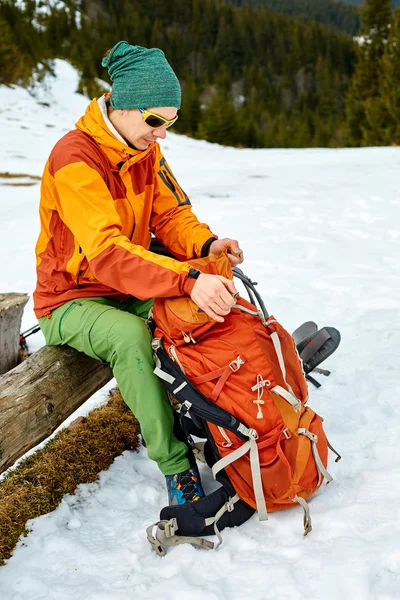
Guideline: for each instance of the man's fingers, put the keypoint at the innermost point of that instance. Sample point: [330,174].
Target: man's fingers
[223,305]
[229,285]
[214,294]
[220,307]
[213,315]
[226,245]
[237,253]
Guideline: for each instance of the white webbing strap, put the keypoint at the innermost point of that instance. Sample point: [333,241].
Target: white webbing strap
[278,349]
[228,442]
[307,516]
[180,387]
[250,446]
[227,507]
[278,389]
[338,457]
[163,375]
[243,429]
[270,321]
[320,466]
[230,458]
[175,358]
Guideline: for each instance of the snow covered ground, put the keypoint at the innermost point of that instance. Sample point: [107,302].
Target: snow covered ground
[321,234]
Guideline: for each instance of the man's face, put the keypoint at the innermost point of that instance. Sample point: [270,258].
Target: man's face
[131,126]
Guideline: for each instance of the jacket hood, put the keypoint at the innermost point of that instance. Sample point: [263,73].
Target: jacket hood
[94,124]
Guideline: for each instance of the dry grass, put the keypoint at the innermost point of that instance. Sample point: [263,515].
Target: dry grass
[7,175]
[76,455]
[28,184]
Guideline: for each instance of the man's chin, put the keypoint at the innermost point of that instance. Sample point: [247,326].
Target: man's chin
[143,144]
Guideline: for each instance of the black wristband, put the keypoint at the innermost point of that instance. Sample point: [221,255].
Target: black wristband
[194,274]
[206,247]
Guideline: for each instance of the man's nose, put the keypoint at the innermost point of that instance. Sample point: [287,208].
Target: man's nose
[161,132]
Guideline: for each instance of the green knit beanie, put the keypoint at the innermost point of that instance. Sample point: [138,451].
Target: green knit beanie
[142,78]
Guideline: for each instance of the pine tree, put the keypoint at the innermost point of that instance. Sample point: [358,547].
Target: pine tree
[189,114]
[157,35]
[390,84]
[362,100]
[10,57]
[218,123]
[22,46]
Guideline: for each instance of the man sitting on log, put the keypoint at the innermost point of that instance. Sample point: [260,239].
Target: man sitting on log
[106,188]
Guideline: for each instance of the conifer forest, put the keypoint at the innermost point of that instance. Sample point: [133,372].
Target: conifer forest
[254,73]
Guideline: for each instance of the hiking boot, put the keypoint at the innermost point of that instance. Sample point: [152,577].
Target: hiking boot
[184,487]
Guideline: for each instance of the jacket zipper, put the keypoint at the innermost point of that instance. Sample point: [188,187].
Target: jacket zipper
[79,268]
[62,237]
[169,181]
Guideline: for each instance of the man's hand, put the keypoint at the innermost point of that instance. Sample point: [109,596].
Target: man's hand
[214,295]
[235,254]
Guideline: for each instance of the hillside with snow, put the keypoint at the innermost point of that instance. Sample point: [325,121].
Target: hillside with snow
[320,229]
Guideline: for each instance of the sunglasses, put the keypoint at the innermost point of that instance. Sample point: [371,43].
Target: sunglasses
[155,121]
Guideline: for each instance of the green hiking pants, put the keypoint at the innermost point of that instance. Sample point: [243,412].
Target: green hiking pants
[116,333]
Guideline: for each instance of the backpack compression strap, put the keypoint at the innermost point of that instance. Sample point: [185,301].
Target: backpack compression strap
[251,447]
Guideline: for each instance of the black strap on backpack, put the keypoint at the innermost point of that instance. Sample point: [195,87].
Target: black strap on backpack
[191,399]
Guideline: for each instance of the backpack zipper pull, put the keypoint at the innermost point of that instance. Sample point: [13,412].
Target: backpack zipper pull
[260,391]
[188,338]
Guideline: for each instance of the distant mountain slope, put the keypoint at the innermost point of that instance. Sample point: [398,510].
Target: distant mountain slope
[360,2]
[342,14]
[328,12]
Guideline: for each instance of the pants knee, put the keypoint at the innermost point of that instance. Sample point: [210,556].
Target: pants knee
[129,331]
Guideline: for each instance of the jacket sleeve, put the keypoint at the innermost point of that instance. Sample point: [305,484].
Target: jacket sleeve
[172,219]
[87,208]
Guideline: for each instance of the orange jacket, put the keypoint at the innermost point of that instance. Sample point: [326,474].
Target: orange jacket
[100,200]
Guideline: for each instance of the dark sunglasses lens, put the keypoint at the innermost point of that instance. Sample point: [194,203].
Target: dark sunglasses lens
[154,121]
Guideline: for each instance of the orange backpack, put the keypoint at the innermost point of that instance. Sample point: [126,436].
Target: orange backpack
[276,453]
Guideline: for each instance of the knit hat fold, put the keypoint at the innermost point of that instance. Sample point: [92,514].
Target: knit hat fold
[141,78]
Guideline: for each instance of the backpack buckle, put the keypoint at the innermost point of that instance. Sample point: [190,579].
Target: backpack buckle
[253,434]
[156,343]
[170,528]
[236,364]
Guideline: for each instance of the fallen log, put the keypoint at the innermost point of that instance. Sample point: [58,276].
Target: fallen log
[11,309]
[40,393]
